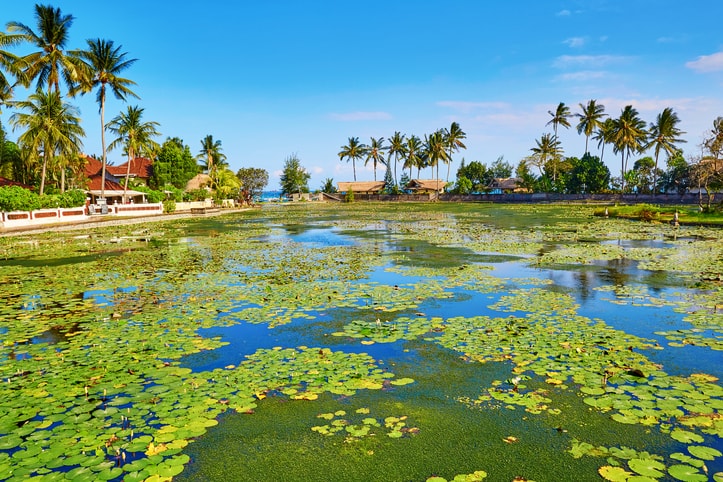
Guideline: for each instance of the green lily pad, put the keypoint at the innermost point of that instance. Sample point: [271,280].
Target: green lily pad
[703,452]
[686,473]
[647,467]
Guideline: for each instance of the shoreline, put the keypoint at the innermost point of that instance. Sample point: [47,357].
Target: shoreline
[110,221]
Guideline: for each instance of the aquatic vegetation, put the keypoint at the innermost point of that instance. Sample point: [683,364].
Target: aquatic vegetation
[118,351]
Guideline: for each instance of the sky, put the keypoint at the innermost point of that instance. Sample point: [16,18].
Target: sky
[292,77]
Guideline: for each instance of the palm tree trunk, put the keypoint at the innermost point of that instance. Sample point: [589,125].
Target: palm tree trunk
[128,174]
[45,167]
[655,175]
[102,142]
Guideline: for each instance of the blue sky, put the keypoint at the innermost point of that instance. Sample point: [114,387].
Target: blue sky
[270,79]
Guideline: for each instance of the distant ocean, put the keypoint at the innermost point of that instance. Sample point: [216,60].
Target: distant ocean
[268,196]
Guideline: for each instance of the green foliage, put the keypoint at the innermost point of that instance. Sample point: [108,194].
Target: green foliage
[174,165]
[328,186]
[16,198]
[588,175]
[294,178]
[403,181]
[169,206]
[390,187]
[199,194]
[676,179]
[478,174]
[152,195]
[349,196]
[253,179]
[463,186]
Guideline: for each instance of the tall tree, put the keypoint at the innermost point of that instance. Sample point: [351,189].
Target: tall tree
[352,152]
[397,148]
[413,155]
[628,135]
[590,119]
[435,151]
[101,66]
[375,153]
[664,135]
[49,63]
[294,177]
[547,153]
[174,165]
[453,139]
[52,127]
[13,65]
[253,180]
[603,135]
[211,157]
[134,135]
[560,117]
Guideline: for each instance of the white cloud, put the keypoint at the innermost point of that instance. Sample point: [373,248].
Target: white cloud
[563,13]
[707,63]
[570,61]
[581,76]
[574,42]
[360,116]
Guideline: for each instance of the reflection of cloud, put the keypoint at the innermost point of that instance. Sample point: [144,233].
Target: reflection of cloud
[360,116]
[707,63]
[574,42]
[581,76]
[569,61]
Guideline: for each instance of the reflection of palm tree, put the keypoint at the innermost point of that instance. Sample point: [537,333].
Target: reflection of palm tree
[352,152]
[397,148]
[413,155]
[375,153]
[628,135]
[664,134]
[453,139]
[590,119]
[52,127]
[135,136]
[102,64]
[49,62]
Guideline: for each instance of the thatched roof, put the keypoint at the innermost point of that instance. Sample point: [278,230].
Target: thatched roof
[361,187]
[430,185]
[507,184]
[198,181]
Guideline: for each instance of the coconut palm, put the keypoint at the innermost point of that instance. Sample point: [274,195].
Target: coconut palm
[435,151]
[10,64]
[375,153]
[413,155]
[50,62]
[603,135]
[590,119]
[664,135]
[559,117]
[547,151]
[134,136]
[628,135]
[397,148]
[352,152]
[212,159]
[52,127]
[453,140]
[100,67]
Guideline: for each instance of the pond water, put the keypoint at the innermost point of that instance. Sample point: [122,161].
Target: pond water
[366,342]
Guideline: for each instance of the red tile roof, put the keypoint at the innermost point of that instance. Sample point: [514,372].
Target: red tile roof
[93,171]
[8,182]
[140,168]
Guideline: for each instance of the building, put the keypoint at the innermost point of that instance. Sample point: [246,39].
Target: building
[426,186]
[140,171]
[361,187]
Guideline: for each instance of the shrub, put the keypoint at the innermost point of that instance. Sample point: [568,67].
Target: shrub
[169,206]
[16,198]
[151,195]
[196,195]
[349,196]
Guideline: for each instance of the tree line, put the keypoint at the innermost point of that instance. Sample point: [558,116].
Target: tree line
[49,146]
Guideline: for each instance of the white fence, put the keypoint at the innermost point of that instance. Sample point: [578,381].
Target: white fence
[40,217]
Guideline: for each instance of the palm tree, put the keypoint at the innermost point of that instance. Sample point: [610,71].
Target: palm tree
[49,62]
[547,151]
[396,148]
[134,136]
[13,65]
[603,135]
[100,67]
[435,151]
[590,119]
[628,135]
[210,154]
[413,155]
[375,153]
[559,117]
[52,127]
[453,140]
[664,134]
[352,152]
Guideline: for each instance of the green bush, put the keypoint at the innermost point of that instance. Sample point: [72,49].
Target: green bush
[72,199]
[349,196]
[169,206]
[16,198]
[196,195]
[152,196]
